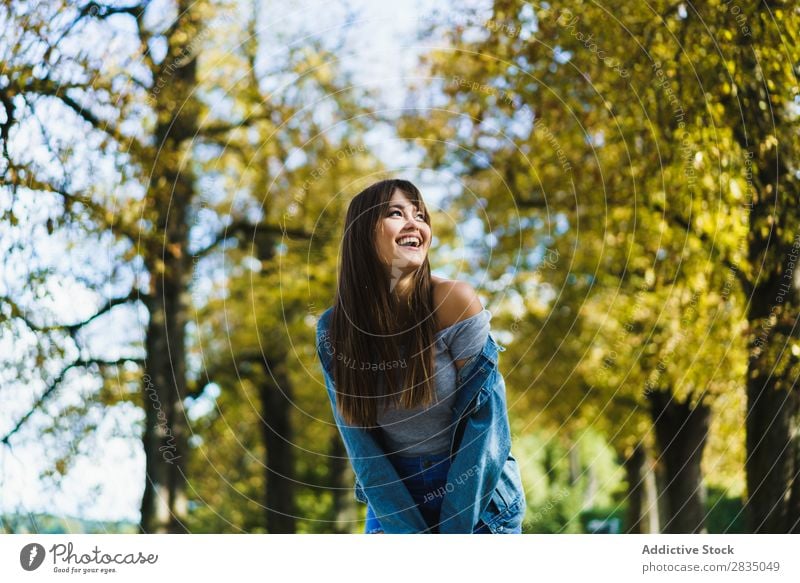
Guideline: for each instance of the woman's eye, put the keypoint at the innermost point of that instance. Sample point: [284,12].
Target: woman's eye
[420,215]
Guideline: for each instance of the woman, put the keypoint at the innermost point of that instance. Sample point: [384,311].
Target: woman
[411,372]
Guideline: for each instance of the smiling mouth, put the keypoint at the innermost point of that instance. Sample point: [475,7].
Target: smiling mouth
[412,242]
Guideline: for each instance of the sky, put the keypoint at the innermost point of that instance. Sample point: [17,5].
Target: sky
[107,482]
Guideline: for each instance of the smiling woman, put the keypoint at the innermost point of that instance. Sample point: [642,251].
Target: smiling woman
[403,237]
[403,427]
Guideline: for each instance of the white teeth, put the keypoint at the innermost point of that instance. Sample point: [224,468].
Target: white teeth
[405,240]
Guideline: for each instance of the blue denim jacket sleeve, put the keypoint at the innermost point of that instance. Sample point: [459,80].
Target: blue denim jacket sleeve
[484,448]
[387,494]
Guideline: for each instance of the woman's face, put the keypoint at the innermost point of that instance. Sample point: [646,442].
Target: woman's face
[402,223]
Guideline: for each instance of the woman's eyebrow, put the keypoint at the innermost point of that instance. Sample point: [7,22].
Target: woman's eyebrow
[402,207]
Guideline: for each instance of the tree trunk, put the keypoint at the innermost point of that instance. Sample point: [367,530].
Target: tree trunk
[772,396]
[760,126]
[170,191]
[681,431]
[165,436]
[768,455]
[772,402]
[166,433]
[642,515]
[276,405]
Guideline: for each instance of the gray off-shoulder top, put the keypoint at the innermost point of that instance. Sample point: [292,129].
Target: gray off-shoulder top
[424,431]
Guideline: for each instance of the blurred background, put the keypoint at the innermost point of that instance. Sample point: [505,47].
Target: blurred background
[619,181]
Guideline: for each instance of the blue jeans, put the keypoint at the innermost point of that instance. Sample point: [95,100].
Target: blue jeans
[425,477]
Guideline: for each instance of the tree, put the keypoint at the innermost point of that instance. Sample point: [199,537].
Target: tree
[294,164]
[610,153]
[152,109]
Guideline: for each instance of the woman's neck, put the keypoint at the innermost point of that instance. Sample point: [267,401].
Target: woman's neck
[403,288]
[402,292]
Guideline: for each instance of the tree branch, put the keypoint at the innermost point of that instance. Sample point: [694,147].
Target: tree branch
[72,329]
[98,212]
[102,11]
[80,363]
[133,296]
[5,128]
[239,229]
[48,88]
[532,203]
[218,128]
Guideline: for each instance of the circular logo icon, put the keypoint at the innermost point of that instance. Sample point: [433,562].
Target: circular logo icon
[31,556]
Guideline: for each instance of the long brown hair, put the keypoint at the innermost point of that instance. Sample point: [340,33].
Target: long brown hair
[365,327]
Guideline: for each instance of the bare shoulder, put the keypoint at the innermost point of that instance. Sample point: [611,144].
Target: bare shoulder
[454,301]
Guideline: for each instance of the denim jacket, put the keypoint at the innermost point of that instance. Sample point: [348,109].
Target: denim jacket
[483,482]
